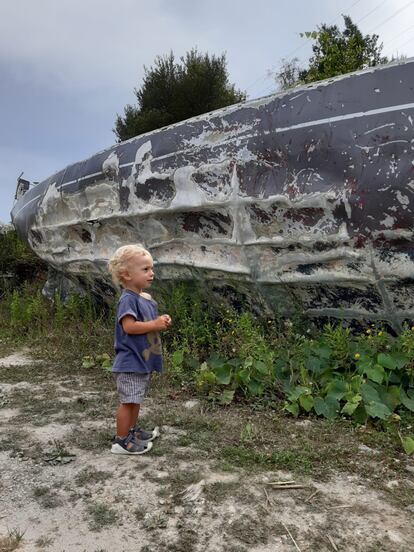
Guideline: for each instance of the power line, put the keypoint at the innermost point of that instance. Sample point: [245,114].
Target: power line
[392,16]
[266,75]
[399,35]
[372,11]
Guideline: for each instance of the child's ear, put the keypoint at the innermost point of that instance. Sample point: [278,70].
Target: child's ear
[124,276]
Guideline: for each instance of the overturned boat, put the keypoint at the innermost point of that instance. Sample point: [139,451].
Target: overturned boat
[304,197]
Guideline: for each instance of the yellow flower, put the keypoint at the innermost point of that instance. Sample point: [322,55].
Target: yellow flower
[357,356]
[412,328]
[380,333]
[368,331]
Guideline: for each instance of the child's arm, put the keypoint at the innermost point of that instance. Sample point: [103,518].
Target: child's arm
[132,326]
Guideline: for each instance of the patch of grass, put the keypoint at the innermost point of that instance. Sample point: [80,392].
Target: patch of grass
[291,460]
[101,516]
[46,497]
[248,530]
[220,491]
[90,439]
[139,514]
[153,521]
[43,542]
[12,540]
[91,476]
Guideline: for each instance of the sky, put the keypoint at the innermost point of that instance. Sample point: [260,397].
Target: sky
[68,67]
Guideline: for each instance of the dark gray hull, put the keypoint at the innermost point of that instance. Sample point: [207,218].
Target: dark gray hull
[305,197]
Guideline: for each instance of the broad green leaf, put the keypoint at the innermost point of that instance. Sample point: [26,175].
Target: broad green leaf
[323,352]
[244,375]
[400,359]
[255,387]
[306,402]
[223,374]
[360,415]
[226,396]
[390,397]
[297,392]
[261,367]
[406,401]
[337,389]
[327,408]
[369,393]
[208,377]
[215,361]
[376,373]
[235,362]
[107,365]
[408,444]
[293,408]
[313,364]
[378,410]
[352,405]
[387,361]
[178,357]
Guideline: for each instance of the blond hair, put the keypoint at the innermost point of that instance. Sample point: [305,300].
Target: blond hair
[118,263]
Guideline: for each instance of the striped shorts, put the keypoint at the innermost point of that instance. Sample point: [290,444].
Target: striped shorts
[132,386]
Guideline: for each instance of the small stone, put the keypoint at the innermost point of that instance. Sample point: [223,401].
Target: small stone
[392,484]
[410,508]
[367,450]
[191,404]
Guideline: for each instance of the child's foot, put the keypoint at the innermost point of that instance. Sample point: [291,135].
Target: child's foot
[146,436]
[129,445]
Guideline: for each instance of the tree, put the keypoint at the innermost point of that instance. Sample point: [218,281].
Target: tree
[289,74]
[335,52]
[172,92]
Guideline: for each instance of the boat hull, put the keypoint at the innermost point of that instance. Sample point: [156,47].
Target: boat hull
[305,197]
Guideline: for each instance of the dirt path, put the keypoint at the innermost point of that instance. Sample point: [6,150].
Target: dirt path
[198,490]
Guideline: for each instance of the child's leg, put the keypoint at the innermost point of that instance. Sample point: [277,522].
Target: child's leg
[126,417]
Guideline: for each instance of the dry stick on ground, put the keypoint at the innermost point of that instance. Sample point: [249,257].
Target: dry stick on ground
[268,501]
[311,496]
[290,535]
[282,487]
[330,539]
[280,482]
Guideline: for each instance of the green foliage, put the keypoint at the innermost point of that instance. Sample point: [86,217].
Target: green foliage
[172,92]
[18,263]
[370,376]
[103,361]
[25,311]
[338,52]
[335,52]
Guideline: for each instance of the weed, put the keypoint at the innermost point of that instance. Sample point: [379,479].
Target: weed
[101,516]
[91,476]
[12,540]
[43,542]
[46,497]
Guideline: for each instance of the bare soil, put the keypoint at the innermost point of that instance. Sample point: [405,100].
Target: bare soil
[205,486]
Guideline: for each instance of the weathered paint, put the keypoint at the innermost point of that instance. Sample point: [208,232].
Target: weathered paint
[308,191]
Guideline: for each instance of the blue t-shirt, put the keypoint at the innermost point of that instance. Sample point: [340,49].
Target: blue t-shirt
[136,353]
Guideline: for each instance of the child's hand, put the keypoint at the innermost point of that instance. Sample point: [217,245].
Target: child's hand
[168,318]
[163,322]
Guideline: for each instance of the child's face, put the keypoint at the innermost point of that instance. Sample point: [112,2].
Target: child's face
[139,274]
